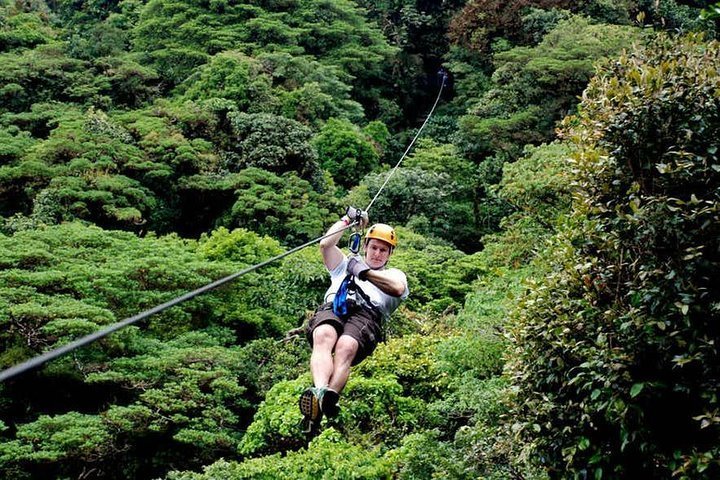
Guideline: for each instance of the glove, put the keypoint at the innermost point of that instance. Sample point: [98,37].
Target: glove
[357,268]
[357,215]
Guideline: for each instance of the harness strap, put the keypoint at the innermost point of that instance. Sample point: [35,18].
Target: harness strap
[340,304]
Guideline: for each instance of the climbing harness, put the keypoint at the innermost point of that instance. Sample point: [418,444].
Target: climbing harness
[340,302]
[347,286]
[39,360]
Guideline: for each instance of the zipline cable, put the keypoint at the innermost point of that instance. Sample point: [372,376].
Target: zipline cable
[39,360]
[367,209]
[57,352]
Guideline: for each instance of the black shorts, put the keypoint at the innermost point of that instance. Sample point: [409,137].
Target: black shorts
[360,323]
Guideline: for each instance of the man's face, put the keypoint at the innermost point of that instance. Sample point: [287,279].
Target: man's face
[377,253]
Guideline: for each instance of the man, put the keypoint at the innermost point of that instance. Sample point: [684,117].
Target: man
[348,326]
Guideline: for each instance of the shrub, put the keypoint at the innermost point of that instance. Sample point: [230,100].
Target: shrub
[617,371]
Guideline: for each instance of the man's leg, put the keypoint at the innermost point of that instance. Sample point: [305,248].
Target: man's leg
[324,337]
[321,360]
[345,351]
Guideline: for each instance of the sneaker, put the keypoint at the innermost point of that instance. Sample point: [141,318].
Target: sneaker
[310,405]
[329,403]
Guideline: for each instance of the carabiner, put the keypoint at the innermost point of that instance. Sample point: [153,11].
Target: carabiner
[354,243]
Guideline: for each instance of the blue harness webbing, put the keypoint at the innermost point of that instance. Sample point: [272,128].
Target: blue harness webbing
[340,305]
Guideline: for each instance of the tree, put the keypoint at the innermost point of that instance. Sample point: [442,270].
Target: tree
[345,152]
[284,207]
[21,30]
[178,36]
[616,365]
[233,76]
[481,21]
[273,143]
[175,389]
[534,87]
[418,28]
[430,202]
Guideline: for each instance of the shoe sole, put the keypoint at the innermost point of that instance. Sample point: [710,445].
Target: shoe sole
[309,406]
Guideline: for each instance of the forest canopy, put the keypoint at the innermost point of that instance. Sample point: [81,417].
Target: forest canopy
[557,217]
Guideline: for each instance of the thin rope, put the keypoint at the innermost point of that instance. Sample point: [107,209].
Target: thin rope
[432,110]
[57,352]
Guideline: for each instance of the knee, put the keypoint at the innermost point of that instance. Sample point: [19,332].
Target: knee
[324,336]
[346,349]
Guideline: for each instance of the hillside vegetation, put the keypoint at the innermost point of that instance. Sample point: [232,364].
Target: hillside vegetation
[559,224]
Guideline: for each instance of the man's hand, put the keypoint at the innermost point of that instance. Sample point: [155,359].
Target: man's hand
[357,215]
[357,268]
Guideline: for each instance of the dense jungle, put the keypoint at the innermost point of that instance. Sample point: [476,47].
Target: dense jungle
[558,221]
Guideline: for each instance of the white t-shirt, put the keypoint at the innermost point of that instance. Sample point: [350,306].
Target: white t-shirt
[385,303]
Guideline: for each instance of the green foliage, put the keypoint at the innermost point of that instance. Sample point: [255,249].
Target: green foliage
[711,11]
[425,456]
[418,28]
[48,287]
[127,82]
[309,91]
[276,425]
[538,185]
[536,86]
[97,40]
[380,136]
[667,15]
[280,206]
[119,171]
[374,404]
[233,76]
[345,152]
[442,158]
[188,392]
[81,162]
[13,144]
[19,30]
[60,438]
[181,35]
[616,370]
[192,387]
[216,116]
[678,16]
[273,143]
[477,351]
[472,78]
[327,456]
[186,389]
[412,360]
[45,73]
[609,11]
[268,361]
[241,246]
[439,276]
[482,21]
[536,23]
[429,201]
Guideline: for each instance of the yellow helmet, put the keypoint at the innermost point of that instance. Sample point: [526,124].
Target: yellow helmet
[383,232]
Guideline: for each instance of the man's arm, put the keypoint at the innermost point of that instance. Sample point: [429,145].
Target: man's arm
[332,256]
[392,282]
